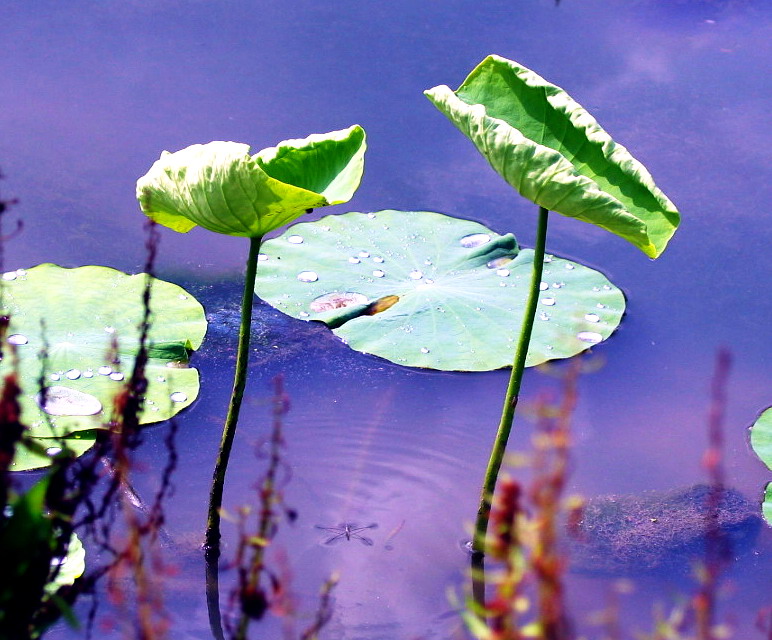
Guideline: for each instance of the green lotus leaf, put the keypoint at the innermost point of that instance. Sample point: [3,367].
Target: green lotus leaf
[761,437]
[554,153]
[427,290]
[71,568]
[75,316]
[220,187]
[761,441]
[40,451]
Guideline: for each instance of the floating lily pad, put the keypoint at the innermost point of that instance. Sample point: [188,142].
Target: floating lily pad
[71,567]
[427,290]
[761,441]
[75,315]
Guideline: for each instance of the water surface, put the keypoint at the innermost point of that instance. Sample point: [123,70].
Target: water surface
[93,91]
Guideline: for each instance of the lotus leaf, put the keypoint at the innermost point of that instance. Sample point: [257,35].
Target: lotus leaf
[75,315]
[554,153]
[220,187]
[71,568]
[427,290]
[761,441]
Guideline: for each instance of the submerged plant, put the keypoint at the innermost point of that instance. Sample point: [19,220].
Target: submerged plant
[554,153]
[220,187]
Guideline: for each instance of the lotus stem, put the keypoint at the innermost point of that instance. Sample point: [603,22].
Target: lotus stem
[513,389]
[212,540]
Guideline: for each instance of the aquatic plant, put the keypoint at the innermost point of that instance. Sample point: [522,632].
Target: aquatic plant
[43,561]
[424,289]
[222,188]
[761,441]
[525,597]
[555,154]
[74,317]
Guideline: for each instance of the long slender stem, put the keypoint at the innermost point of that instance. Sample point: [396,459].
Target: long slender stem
[513,389]
[212,540]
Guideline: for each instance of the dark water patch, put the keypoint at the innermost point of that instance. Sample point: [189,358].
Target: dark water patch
[660,531]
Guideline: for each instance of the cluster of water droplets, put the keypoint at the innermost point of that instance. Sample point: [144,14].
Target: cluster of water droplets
[10,276]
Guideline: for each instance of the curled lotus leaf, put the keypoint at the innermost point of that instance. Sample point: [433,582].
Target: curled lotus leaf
[76,332]
[428,290]
[549,148]
[761,441]
[221,187]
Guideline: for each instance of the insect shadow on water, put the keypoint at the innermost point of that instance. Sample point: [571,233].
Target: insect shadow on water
[348,531]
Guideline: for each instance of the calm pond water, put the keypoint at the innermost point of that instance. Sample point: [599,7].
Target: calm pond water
[94,90]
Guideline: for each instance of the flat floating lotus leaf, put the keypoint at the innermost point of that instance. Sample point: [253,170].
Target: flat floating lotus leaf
[554,153]
[71,567]
[220,187]
[427,290]
[74,444]
[761,441]
[75,315]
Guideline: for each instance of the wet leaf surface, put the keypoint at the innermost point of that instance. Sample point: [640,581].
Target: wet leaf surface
[427,290]
[73,316]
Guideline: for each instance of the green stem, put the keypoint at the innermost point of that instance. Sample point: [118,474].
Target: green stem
[513,389]
[212,540]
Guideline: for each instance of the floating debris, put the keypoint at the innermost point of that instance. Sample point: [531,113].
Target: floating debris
[337,300]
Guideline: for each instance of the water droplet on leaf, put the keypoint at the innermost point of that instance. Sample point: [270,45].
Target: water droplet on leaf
[474,240]
[589,336]
[63,401]
[308,276]
[295,239]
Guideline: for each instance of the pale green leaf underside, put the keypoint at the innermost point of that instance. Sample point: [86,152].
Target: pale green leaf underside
[75,314]
[766,507]
[555,154]
[220,187]
[454,311]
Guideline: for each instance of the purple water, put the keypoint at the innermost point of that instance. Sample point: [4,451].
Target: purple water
[93,91]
